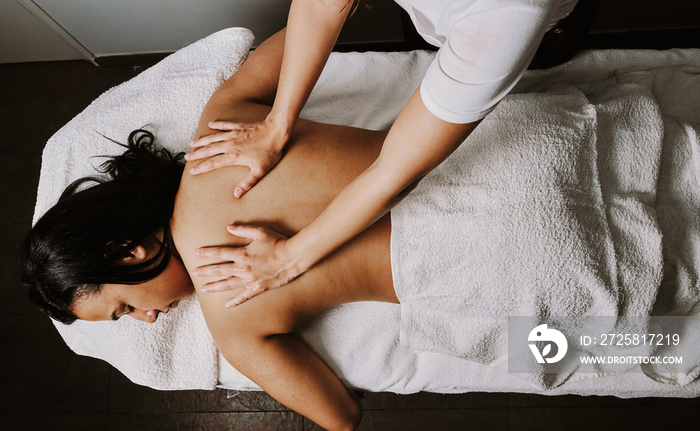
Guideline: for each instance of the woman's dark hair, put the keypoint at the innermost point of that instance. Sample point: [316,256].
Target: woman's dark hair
[79,243]
[354,4]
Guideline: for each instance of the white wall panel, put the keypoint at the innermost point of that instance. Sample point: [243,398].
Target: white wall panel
[115,27]
[24,38]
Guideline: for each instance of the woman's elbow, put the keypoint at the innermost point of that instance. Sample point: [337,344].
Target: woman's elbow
[351,418]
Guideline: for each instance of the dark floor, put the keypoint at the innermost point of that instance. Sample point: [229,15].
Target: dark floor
[46,386]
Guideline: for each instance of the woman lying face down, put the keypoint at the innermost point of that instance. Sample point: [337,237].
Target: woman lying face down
[96,257]
[105,249]
[143,301]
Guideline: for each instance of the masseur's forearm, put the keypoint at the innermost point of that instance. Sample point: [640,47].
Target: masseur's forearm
[417,142]
[313,27]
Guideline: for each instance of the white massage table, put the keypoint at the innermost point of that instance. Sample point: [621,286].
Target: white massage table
[359,341]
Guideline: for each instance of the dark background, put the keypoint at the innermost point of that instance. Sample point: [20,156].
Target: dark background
[43,385]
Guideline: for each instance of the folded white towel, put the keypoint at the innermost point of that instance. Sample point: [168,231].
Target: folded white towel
[676,89]
[547,210]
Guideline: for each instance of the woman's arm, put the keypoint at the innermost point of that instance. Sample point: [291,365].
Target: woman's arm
[287,369]
[256,337]
[312,29]
[255,342]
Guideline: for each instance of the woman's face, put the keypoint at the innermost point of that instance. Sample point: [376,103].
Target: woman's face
[141,301]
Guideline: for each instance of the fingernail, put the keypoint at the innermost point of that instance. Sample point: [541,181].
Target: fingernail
[238,193]
[190,144]
[192,171]
[187,156]
[205,289]
[198,252]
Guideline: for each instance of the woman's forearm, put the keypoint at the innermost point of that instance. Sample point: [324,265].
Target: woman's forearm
[417,142]
[289,371]
[312,30]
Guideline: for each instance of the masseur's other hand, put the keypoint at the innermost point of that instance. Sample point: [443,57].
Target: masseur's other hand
[255,145]
[261,265]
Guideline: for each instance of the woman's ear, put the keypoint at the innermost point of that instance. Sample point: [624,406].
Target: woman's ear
[137,255]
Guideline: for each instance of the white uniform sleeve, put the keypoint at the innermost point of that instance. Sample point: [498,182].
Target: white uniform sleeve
[485,54]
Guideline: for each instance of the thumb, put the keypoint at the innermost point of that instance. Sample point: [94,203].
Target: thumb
[224,125]
[247,183]
[242,231]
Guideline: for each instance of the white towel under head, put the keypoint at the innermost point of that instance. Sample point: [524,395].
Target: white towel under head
[176,352]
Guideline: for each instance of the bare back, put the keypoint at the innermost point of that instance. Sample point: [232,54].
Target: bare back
[320,160]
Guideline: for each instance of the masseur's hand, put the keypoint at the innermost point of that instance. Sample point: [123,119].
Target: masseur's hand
[261,265]
[255,145]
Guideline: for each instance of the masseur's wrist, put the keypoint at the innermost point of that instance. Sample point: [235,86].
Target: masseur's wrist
[297,256]
[282,125]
